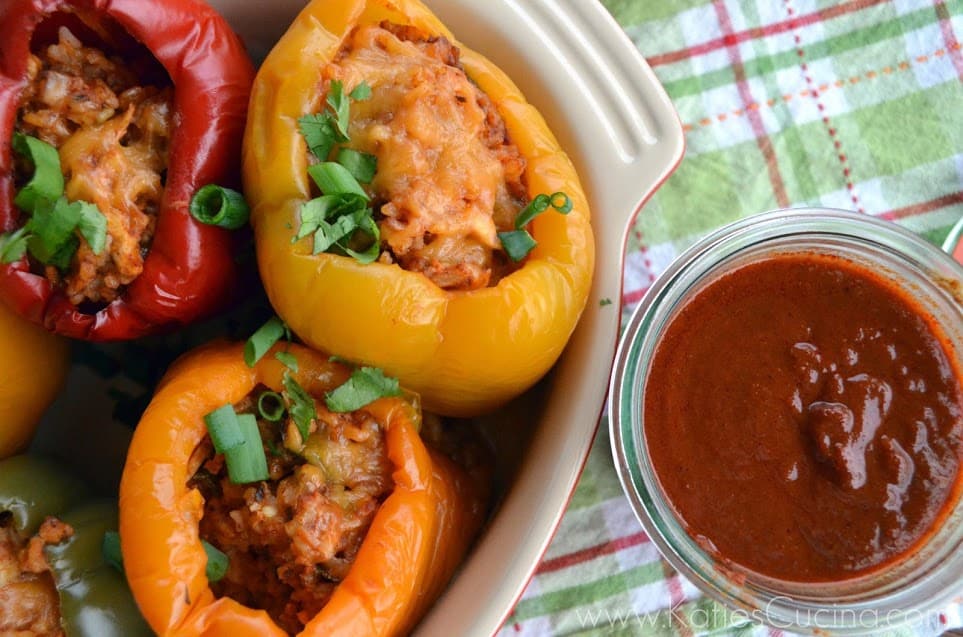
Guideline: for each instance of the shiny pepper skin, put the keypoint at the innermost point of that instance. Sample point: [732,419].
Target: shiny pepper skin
[94,598]
[189,267]
[464,352]
[416,540]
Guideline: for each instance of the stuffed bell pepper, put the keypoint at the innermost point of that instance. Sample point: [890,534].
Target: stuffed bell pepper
[411,210]
[54,578]
[26,349]
[113,114]
[283,493]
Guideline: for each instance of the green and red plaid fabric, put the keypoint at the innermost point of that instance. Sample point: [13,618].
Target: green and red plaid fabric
[855,104]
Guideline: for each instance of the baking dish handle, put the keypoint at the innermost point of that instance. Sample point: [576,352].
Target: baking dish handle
[631,112]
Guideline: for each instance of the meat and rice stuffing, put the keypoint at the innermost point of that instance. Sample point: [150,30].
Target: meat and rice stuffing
[112,134]
[292,538]
[28,596]
[448,177]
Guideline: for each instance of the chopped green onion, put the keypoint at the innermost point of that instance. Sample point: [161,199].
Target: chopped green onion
[300,405]
[604,302]
[517,243]
[223,429]
[319,134]
[334,179]
[218,206]
[92,226]
[535,207]
[270,405]
[362,166]
[247,462]
[110,549]
[365,386]
[361,92]
[217,562]
[287,359]
[262,340]
[13,245]
[561,202]
[47,181]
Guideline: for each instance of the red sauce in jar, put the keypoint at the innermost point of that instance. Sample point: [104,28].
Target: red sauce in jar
[805,419]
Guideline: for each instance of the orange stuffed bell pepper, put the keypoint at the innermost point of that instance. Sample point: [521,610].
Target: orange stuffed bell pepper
[346,524]
[34,365]
[446,156]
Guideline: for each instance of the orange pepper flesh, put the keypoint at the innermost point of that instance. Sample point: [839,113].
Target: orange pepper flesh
[416,540]
[464,352]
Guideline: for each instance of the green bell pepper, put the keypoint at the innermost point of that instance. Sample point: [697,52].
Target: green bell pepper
[94,598]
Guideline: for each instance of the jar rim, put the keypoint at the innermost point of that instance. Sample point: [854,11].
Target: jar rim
[898,603]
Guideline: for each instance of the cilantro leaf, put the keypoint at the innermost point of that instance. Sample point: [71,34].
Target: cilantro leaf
[361,92]
[365,386]
[13,245]
[52,228]
[301,405]
[341,105]
[92,225]
[47,182]
[319,134]
[362,166]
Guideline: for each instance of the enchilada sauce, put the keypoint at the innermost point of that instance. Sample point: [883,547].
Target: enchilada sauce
[805,419]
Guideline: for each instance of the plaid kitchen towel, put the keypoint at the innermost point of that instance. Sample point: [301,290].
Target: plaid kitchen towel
[855,104]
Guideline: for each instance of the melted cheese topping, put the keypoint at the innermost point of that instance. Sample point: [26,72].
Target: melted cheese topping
[447,180]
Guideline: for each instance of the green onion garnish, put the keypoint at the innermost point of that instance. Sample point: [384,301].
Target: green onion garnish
[217,562]
[365,386]
[110,549]
[270,405]
[223,429]
[238,438]
[300,405]
[517,243]
[47,181]
[561,202]
[287,359]
[334,179]
[262,340]
[218,206]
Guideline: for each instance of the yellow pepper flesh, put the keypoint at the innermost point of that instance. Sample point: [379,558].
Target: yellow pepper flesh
[35,363]
[465,352]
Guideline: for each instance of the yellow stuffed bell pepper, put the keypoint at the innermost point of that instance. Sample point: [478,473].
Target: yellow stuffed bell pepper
[466,351]
[354,529]
[34,365]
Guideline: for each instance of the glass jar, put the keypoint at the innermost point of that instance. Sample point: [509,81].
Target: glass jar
[906,590]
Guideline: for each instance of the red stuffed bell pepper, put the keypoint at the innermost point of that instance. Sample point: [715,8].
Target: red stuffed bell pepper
[145,102]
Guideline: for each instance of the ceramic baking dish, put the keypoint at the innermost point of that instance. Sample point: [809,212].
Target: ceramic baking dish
[574,63]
